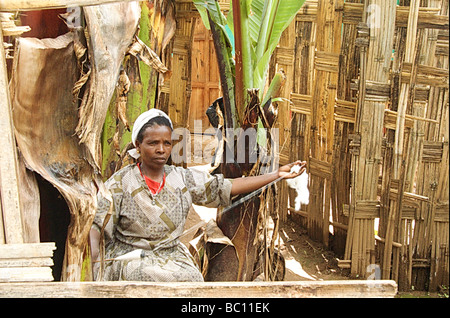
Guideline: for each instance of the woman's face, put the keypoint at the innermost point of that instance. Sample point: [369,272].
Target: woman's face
[156,146]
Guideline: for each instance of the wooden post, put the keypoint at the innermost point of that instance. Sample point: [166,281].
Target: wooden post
[26,262]
[398,164]
[12,218]
[2,232]
[405,88]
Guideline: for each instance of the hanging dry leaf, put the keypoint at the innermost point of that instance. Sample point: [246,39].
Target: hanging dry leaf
[44,128]
[146,55]
[111,28]
[122,89]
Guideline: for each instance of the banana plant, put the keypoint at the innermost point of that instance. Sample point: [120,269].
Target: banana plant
[244,42]
[257,26]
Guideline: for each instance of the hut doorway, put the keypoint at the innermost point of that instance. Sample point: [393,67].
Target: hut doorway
[53,222]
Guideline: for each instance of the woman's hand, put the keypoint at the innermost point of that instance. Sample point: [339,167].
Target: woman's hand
[285,171]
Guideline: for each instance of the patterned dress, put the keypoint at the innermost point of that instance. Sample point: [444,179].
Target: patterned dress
[152,224]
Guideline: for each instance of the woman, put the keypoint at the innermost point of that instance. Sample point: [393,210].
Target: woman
[150,202]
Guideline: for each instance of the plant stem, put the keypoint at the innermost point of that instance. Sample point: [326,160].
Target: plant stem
[226,75]
[239,81]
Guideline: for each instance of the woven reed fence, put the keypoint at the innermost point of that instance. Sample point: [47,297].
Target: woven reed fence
[368,85]
[368,90]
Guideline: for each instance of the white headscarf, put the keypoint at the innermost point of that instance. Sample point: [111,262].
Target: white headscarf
[140,122]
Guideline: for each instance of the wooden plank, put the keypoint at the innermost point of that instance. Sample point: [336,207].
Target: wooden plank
[25,274]
[12,219]
[26,262]
[9,27]
[30,250]
[123,289]
[176,93]
[25,5]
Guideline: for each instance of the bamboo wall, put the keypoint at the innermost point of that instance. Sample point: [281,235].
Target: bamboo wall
[368,84]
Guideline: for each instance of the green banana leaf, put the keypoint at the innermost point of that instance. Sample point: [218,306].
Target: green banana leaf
[265,22]
[268,21]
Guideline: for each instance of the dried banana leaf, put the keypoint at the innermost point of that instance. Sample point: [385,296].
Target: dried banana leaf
[58,137]
[146,55]
[206,245]
[111,29]
[45,116]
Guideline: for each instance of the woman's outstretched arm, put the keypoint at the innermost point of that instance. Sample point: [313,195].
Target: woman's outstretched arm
[249,184]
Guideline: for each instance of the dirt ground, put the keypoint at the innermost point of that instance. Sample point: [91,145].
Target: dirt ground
[305,259]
